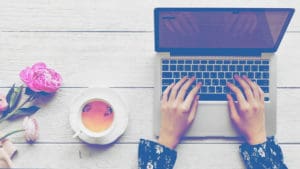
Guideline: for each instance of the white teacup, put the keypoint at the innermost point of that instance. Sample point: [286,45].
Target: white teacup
[85,129]
[110,133]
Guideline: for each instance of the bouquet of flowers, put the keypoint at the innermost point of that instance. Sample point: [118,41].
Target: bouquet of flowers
[39,80]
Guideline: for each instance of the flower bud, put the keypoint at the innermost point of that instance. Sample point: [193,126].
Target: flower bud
[3,103]
[31,129]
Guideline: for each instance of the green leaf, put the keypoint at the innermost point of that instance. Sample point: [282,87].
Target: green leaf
[15,97]
[28,91]
[25,112]
[10,92]
[31,109]
[44,93]
[8,98]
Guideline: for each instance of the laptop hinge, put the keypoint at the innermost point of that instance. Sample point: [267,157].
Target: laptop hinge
[216,53]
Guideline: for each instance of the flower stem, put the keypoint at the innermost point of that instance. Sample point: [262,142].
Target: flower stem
[29,99]
[11,133]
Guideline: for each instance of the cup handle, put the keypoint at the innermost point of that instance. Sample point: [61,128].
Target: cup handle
[76,134]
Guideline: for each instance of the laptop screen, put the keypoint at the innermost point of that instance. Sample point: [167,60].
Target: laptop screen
[220,28]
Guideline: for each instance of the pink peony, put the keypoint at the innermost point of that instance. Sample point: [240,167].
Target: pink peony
[31,129]
[3,103]
[39,78]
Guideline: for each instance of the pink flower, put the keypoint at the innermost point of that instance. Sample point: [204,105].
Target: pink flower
[31,129]
[3,103]
[39,78]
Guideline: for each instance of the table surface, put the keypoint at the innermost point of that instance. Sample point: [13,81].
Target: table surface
[110,43]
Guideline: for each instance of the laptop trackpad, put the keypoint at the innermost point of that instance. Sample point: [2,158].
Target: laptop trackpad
[212,120]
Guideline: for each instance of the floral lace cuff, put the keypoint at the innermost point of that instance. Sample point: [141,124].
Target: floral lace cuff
[263,156]
[153,155]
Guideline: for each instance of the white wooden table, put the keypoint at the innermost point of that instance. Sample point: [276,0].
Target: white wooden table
[110,43]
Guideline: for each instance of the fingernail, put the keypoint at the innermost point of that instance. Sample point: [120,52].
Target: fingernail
[227,95]
[235,76]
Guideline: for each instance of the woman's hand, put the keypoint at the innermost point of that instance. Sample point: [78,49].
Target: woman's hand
[248,115]
[177,112]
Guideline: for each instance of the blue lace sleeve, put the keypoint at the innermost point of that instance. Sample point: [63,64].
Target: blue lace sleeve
[267,155]
[155,156]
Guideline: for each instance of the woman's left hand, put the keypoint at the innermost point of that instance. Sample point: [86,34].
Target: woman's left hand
[177,112]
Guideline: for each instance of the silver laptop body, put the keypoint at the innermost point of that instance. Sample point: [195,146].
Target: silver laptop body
[212,119]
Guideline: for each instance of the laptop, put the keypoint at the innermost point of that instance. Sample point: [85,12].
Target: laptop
[213,44]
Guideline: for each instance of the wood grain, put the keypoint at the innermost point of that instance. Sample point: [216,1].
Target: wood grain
[54,117]
[110,43]
[108,59]
[113,15]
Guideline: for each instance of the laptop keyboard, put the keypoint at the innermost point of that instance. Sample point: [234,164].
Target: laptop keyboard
[214,74]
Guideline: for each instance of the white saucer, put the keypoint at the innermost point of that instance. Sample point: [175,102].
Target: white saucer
[120,115]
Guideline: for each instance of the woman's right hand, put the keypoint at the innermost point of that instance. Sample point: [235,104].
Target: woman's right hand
[248,115]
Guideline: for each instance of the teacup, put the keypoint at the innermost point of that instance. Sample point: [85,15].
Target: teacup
[96,118]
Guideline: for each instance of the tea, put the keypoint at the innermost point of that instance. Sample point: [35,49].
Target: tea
[97,116]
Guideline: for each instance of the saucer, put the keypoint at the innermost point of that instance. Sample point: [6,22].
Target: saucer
[120,114]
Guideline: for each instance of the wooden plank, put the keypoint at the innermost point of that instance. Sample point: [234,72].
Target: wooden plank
[114,15]
[190,156]
[76,15]
[84,57]
[288,61]
[120,59]
[108,59]
[54,118]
